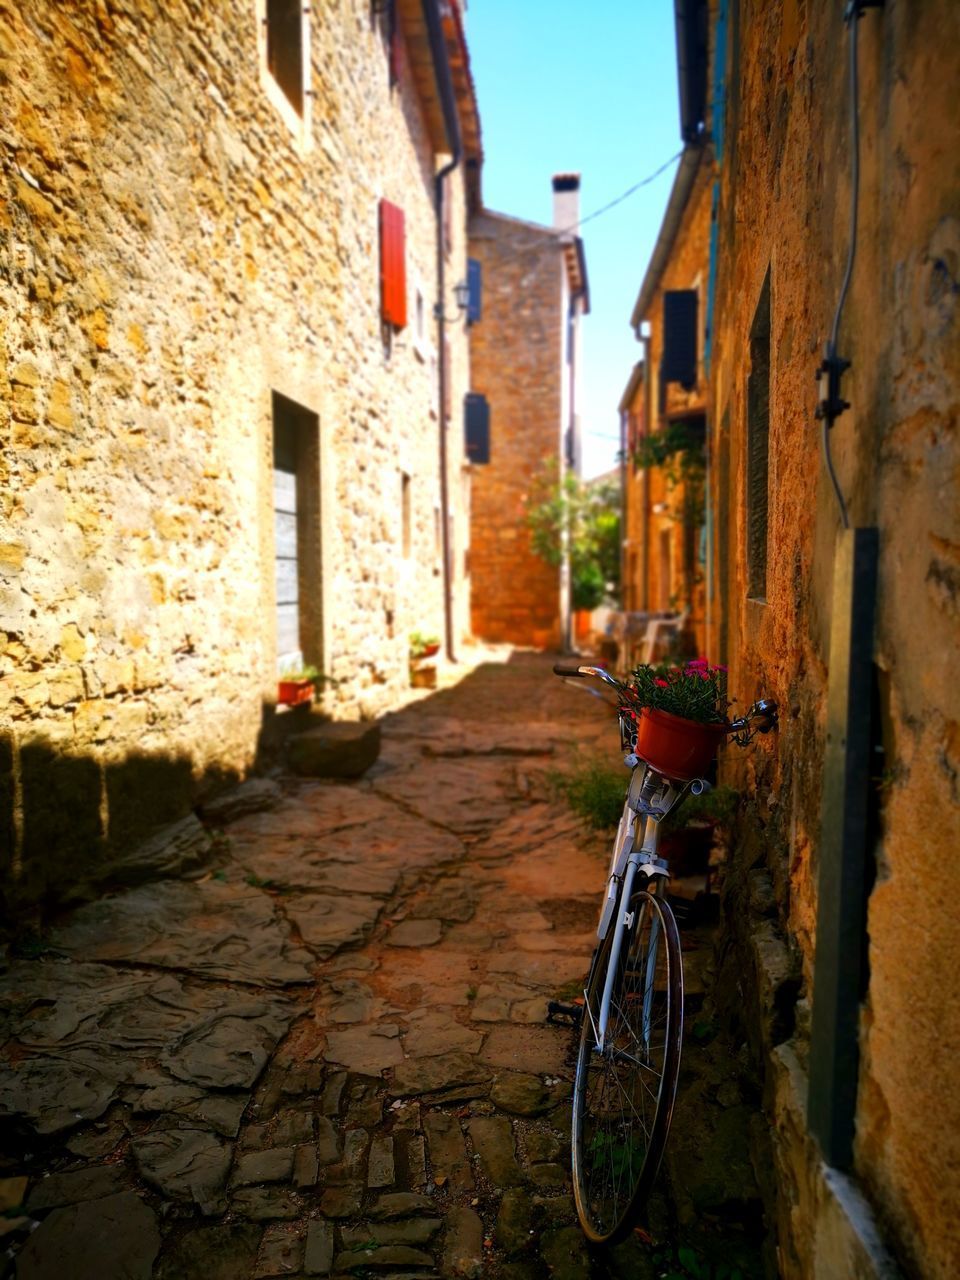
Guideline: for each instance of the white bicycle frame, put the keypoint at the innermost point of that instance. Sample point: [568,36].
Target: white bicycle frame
[625,864]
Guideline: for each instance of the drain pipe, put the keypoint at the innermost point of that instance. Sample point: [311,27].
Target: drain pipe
[438,50]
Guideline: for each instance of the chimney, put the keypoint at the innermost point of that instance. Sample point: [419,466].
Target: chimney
[566,202]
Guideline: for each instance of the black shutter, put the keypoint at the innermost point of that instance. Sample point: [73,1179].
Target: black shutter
[476,413]
[475,287]
[680,337]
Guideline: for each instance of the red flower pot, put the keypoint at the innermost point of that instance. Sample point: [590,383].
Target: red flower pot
[292,692]
[681,749]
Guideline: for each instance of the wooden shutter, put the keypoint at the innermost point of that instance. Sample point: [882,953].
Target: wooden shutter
[680,337]
[475,289]
[393,271]
[476,415]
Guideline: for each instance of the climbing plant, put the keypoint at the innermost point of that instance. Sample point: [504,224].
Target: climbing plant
[677,449]
[591,516]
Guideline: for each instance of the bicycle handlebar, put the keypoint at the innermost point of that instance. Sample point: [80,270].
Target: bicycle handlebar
[764,709]
[560,670]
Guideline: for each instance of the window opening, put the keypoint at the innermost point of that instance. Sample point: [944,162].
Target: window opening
[284,23]
[758,438]
[405,514]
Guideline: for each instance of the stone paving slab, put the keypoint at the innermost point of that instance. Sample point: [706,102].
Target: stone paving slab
[75,1035]
[216,930]
[466,796]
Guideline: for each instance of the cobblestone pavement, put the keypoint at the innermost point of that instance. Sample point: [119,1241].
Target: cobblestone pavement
[325,1052]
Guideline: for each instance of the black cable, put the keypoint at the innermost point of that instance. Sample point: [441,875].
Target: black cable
[851,17]
[558,232]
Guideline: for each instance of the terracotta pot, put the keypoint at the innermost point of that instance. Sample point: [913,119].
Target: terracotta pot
[292,692]
[430,650]
[681,749]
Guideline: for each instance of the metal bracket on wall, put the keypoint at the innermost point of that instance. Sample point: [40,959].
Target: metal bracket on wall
[841,895]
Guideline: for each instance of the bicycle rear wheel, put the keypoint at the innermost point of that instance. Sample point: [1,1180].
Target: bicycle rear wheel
[623,1096]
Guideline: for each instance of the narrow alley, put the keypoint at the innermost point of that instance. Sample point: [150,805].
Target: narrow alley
[324,1049]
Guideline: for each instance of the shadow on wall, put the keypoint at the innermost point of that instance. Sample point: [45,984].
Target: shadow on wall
[67,819]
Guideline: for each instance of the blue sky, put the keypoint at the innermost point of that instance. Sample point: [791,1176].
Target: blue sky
[590,88]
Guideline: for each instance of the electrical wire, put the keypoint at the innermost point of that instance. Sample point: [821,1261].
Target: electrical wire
[852,18]
[559,232]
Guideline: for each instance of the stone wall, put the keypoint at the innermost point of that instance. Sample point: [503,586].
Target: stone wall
[517,363]
[176,249]
[784,210]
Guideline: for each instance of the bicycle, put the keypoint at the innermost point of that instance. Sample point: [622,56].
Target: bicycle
[631,1022]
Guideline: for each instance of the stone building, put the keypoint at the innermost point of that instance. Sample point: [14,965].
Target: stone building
[665,399]
[224,240]
[525,358]
[840,601]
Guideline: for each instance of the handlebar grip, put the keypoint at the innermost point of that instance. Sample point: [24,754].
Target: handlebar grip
[560,670]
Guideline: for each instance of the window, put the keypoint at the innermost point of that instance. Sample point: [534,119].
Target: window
[680,337]
[284,44]
[476,412]
[285,48]
[393,267]
[405,515]
[421,338]
[474,290]
[758,437]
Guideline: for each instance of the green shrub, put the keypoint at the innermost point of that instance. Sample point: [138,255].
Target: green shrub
[593,789]
[717,805]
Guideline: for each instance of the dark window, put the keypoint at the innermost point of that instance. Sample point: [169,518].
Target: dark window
[475,288]
[394,37]
[477,427]
[758,437]
[680,337]
[285,48]
[393,267]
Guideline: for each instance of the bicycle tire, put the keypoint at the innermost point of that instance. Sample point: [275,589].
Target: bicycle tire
[616,1159]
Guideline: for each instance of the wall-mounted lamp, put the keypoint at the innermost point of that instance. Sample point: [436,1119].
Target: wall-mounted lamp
[461,295]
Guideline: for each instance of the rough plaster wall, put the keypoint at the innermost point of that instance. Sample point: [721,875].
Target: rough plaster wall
[170,256]
[785,203]
[517,363]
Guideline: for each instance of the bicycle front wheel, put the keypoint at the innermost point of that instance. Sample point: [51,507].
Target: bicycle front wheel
[624,1093]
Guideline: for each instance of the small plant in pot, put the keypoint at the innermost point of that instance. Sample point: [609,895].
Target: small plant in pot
[300,684]
[689,830]
[423,646]
[681,716]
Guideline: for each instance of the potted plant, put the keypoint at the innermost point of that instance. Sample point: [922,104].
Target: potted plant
[300,685]
[688,830]
[681,716]
[423,646]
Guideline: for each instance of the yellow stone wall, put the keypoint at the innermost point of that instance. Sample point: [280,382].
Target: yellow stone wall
[785,206]
[173,252]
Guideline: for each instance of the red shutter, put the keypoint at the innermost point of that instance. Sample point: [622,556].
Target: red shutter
[393,271]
